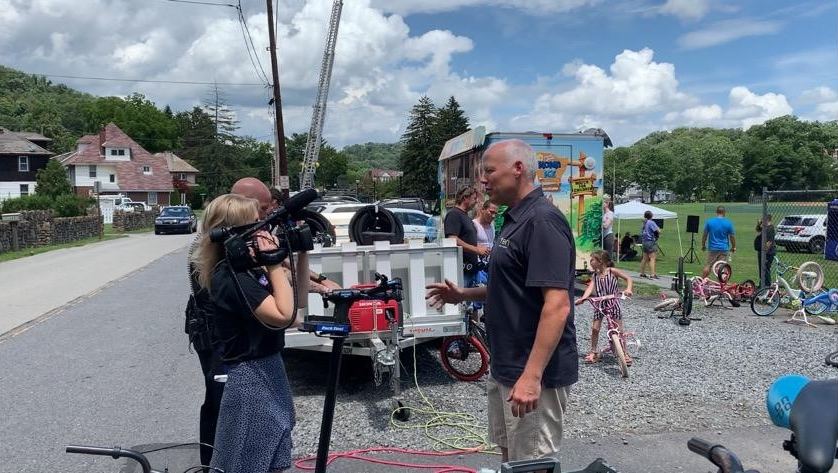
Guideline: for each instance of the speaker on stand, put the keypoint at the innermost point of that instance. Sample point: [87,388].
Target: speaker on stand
[692,228]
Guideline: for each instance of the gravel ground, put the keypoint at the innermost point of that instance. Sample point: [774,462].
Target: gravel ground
[710,375]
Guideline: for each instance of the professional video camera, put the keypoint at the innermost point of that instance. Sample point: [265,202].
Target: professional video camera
[241,243]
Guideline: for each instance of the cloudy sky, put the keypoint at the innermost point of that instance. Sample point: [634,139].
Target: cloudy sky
[628,66]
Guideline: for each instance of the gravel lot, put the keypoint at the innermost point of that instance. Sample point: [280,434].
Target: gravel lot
[710,375]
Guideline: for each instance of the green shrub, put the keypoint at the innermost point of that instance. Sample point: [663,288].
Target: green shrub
[29,202]
[67,205]
[71,205]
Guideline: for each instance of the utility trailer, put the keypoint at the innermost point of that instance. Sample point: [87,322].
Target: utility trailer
[417,264]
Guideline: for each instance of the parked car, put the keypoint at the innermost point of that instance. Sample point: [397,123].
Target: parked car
[175,219]
[417,225]
[414,203]
[134,207]
[802,232]
[338,215]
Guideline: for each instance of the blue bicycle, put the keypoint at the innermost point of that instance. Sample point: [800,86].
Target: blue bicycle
[817,305]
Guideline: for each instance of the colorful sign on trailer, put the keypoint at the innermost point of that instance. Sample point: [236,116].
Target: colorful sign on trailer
[570,171]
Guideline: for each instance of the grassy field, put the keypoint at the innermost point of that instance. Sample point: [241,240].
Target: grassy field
[744,217]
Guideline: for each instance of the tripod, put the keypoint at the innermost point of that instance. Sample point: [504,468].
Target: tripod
[691,252]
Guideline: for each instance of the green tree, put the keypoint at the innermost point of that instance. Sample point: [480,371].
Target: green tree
[216,106]
[618,171]
[332,164]
[418,159]
[52,180]
[652,169]
[451,121]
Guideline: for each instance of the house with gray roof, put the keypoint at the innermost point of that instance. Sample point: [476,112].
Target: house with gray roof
[22,155]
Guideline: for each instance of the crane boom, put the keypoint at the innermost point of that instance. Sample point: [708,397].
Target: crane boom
[318,116]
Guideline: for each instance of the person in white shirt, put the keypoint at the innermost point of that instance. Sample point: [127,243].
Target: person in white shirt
[608,227]
[485,224]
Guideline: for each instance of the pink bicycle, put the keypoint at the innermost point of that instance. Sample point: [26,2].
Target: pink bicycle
[618,341]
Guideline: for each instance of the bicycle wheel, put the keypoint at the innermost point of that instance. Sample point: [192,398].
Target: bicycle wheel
[666,304]
[617,348]
[746,290]
[810,276]
[688,298]
[765,301]
[465,358]
[722,270]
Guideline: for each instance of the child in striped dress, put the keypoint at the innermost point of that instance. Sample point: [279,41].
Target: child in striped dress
[604,281]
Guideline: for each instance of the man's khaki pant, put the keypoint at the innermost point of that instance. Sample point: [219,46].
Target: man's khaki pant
[537,434]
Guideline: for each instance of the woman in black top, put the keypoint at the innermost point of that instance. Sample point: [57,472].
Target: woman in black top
[257,414]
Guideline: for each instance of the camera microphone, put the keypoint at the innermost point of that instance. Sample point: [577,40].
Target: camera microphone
[293,205]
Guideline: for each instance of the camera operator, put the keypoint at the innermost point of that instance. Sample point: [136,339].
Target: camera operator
[250,309]
[199,323]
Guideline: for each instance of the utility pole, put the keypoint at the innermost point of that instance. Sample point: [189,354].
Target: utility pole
[280,177]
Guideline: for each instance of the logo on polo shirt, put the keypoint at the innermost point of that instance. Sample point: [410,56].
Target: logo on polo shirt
[503,242]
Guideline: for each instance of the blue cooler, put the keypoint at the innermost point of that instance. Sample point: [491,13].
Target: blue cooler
[831,248]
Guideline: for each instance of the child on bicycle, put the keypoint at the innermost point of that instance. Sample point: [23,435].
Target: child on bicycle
[605,281]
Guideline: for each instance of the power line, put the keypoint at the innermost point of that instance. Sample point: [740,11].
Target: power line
[154,81]
[243,22]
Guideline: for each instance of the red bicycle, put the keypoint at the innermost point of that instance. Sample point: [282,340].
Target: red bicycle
[711,291]
[618,341]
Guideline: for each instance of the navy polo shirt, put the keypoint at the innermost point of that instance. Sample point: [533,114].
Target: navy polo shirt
[535,249]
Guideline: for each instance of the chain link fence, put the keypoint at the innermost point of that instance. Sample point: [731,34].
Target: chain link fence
[802,226]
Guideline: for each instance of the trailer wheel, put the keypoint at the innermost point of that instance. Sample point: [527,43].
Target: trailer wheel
[374,223]
[321,229]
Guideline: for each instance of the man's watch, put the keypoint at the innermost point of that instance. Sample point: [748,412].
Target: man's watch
[320,278]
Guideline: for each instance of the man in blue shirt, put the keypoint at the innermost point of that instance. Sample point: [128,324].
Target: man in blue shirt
[719,230]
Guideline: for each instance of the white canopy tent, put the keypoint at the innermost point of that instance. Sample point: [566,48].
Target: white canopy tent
[634,211]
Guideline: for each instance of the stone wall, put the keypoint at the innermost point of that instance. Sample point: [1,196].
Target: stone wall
[67,229]
[130,221]
[40,228]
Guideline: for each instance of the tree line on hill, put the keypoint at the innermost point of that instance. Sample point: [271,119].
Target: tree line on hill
[784,153]
[205,136]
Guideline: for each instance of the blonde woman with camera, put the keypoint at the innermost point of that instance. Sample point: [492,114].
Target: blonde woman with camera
[251,309]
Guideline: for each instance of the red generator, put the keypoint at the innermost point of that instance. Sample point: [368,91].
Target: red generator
[368,316]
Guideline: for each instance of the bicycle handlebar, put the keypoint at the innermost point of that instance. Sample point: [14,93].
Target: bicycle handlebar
[115,453]
[723,458]
[622,296]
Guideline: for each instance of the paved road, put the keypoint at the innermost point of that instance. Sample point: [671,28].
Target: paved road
[38,284]
[114,369]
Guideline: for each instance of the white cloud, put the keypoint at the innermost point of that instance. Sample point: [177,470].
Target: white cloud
[637,84]
[686,9]
[405,7]
[745,109]
[751,109]
[825,101]
[726,31]
[701,115]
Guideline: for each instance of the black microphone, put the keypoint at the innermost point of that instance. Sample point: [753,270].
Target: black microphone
[293,205]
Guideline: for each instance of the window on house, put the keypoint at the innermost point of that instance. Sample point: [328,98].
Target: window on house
[91,171]
[182,176]
[152,198]
[24,190]
[146,169]
[112,178]
[23,163]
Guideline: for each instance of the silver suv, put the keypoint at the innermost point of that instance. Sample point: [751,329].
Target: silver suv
[802,232]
